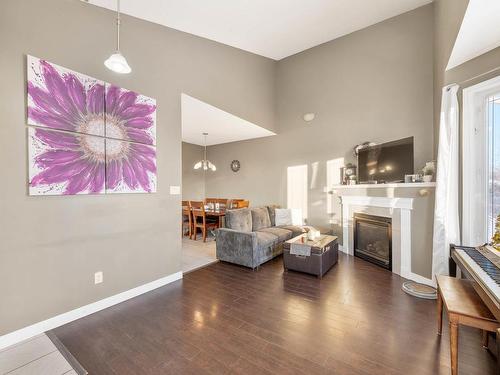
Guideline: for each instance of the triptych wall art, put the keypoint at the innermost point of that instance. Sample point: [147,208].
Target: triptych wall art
[87,136]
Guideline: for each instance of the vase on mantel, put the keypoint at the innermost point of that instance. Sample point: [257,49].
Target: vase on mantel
[427,178]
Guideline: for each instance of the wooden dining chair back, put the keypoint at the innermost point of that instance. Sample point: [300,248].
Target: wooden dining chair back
[242,204]
[234,203]
[200,219]
[187,219]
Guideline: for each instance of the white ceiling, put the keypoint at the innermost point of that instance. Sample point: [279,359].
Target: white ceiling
[271,28]
[222,127]
[479,33]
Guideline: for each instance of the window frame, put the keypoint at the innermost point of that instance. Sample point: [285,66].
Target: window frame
[475,161]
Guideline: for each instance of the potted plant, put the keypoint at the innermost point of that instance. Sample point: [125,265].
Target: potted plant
[428,170]
[495,241]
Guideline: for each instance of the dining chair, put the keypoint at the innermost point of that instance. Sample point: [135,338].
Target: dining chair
[200,219]
[187,219]
[242,204]
[233,203]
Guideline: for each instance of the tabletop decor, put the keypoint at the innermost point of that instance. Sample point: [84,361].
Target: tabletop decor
[87,136]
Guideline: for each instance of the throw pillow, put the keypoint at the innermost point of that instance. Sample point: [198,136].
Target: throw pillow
[283,216]
[260,218]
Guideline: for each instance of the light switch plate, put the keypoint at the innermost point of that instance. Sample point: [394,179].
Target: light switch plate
[175,190]
[98,277]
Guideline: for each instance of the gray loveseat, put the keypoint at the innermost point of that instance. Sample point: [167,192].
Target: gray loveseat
[251,236]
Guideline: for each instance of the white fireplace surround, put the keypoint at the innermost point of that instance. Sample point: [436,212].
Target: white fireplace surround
[399,210]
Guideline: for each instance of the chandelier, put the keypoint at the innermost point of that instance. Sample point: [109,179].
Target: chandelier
[205,164]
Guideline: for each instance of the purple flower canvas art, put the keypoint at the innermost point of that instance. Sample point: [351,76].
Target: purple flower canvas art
[65,163]
[108,131]
[135,173]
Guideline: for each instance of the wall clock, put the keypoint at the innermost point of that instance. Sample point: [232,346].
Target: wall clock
[235,165]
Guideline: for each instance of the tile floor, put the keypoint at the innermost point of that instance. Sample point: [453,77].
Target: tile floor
[35,356]
[196,254]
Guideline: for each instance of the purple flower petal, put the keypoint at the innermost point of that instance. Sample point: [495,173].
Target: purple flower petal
[148,162]
[140,173]
[137,110]
[55,157]
[76,92]
[144,150]
[59,173]
[95,99]
[49,120]
[114,174]
[97,182]
[58,139]
[125,100]
[57,88]
[138,135]
[112,94]
[81,181]
[129,175]
[140,123]
[45,102]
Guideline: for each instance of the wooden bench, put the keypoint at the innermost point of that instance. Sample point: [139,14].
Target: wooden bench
[464,306]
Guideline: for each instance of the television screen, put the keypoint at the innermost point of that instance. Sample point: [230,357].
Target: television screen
[387,162]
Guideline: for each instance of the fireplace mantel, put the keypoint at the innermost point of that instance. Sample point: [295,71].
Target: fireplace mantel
[400,210]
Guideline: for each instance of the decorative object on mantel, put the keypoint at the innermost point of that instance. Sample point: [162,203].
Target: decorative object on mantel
[413,178]
[428,171]
[235,165]
[205,164]
[117,62]
[87,136]
[362,146]
[348,174]
[419,290]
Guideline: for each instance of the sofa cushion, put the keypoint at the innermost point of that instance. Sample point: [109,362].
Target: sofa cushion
[283,234]
[296,230]
[272,213]
[240,219]
[260,218]
[265,240]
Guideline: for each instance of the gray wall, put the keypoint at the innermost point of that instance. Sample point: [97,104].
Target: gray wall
[375,84]
[50,247]
[193,182]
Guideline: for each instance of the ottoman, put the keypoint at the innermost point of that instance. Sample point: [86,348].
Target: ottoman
[324,254]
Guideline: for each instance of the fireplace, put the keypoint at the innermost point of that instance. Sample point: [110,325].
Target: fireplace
[373,239]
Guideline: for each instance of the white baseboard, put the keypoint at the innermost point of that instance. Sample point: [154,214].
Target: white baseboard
[64,318]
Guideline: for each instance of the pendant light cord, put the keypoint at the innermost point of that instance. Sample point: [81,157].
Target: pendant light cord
[118,25]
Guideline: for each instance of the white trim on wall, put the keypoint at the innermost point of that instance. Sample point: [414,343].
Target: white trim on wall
[475,161]
[64,318]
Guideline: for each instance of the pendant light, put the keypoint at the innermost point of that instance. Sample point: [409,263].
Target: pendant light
[205,164]
[117,62]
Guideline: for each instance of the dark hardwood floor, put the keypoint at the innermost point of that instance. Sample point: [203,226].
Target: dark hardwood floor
[227,319]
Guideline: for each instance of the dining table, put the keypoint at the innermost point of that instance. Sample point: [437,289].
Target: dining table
[218,213]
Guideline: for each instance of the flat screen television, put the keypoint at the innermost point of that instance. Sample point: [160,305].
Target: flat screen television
[387,162]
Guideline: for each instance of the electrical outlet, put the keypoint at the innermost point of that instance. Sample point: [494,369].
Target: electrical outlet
[98,277]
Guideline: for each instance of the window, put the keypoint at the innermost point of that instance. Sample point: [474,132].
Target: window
[481,161]
[493,205]
[297,189]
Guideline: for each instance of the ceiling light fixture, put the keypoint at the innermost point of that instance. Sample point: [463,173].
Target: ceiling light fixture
[308,117]
[117,62]
[205,164]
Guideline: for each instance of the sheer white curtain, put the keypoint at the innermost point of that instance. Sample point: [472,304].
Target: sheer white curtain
[446,220]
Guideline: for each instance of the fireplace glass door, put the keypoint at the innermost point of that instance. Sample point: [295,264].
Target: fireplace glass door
[373,239]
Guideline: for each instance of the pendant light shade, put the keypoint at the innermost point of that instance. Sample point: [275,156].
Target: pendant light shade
[205,164]
[117,62]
